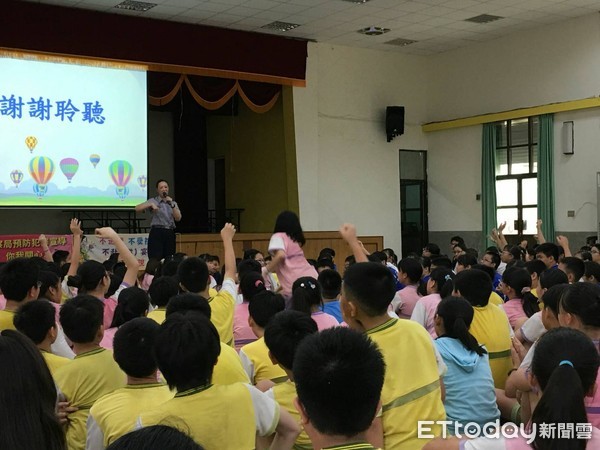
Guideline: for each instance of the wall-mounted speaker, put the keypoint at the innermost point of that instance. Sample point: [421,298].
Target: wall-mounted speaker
[568,136]
[394,121]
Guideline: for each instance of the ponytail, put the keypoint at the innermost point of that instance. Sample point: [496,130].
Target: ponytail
[457,314]
[306,293]
[460,331]
[530,303]
[444,281]
[519,280]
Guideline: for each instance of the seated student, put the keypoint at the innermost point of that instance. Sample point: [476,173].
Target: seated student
[564,371]
[592,272]
[19,285]
[573,267]
[194,277]
[324,264]
[331,286]
[495,298]
[366,295]
[440,261]
[464,262]
[219,417]
[307,298]
[535,268]
[431,250]
[36,320]
[27,397]
[93,373]
[251,284]
[214,266]
[349,261]
[521,303]
[116,413]
[548,253]
[468,383]
[283,334]
[491,258]
[133,303]
[409,274]
[255,356]
[439,286]
[339,375]
[160,291]
[229,368]
[490,325]
[156,437]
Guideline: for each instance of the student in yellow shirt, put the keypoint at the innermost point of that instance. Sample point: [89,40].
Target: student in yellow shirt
[19,284]
[160,291]
[283,334]
[116,413]
[194,277]
[161,436]
[93,373]
[228,369]
[490,324]
[339,377]
[255,356]
[219,417]
[412,389]
[36,320]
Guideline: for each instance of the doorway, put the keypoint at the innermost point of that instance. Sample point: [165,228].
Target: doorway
[413,201]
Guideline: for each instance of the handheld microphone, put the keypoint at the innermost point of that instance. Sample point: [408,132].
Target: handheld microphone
[164,194]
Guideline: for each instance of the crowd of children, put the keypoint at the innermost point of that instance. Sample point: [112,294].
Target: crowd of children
[284,352]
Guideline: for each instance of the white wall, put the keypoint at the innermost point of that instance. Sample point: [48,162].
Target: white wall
[347,171]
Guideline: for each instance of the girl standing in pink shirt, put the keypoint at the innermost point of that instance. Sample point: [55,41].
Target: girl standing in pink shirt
[251,284]
[306,298]
[521,304]
[439,286]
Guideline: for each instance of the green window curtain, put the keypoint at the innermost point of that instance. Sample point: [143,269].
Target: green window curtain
[545,175]
[488,181]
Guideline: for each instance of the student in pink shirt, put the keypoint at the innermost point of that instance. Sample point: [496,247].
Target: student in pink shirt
[409,274]
[439,286]
[133,303]
[521,304]
[251,284]
[285,247]
[306,298]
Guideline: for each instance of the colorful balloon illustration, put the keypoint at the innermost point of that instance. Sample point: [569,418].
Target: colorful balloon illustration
[121,172]
[16,177]
[69,167]
[94,159]
[31,142]
[41,169]
[142,181]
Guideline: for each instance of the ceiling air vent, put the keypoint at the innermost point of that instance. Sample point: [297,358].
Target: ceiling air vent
[483,18]
[373,31]
[131,5]
[400,42]
[280,26]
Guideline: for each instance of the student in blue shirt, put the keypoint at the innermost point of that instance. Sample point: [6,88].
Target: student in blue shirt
[331,285]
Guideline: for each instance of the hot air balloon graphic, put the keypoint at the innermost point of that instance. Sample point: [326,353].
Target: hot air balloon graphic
[41,169]
[94,159]
[69,167]
[16,176]
[30,142]
[121,172]
[142,181]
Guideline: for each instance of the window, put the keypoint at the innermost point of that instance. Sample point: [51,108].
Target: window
[516,175]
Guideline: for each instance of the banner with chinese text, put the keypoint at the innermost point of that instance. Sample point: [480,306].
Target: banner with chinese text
[28,245]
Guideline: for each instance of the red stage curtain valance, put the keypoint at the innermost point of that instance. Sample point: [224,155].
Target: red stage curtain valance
[212,93]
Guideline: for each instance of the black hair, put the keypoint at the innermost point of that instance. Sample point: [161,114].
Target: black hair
[549,249]
[586,256]
[89,275]
[592,269]
[248,265]
[379,257]
[113,287]
[331,283]
[183,303]
[133,347]
[535,266]
[441,261]
[391,254]
[443,281]
[193,274]
[27,418]
[460,245]
[60,256]
[251,253]
[487,269]
[434,249]
[284,332]
[170,268]
[412,268]
[339,376]
[34,319]
[520,281]
[565,364]
[48,279]
[133,302]
[156,437]
[251,284]
[574,266]
[474,285]
[495,258]
[371,285]
[161,180]
[264,306]
[466,260]
[550,278]
[81,317]
[457,314]
[211,258]
[17,277]
[152,267]
[426,262]
[288,222]
[120,269]
[457,239]
[162,289]
[350,260]
[186,349]
[306,294]
[327,252]
[583,301]
[552,297]
[325,263]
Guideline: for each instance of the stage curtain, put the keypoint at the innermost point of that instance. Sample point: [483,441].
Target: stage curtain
[163,87]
